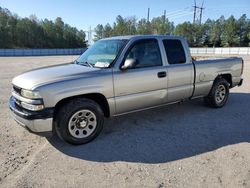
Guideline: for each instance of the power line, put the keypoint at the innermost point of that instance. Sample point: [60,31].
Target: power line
[172,14]
[180,14]
[177,12]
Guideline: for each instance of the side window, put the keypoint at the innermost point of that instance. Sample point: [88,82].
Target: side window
[175,52]
[146,53]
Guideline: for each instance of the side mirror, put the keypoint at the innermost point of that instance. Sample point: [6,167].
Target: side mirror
[129,63]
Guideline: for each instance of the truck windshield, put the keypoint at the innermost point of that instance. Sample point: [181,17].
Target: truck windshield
[102,53]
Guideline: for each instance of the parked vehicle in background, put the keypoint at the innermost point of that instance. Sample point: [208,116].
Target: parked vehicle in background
[116,76]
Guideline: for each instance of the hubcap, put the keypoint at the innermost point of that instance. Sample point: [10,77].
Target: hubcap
[82,124]
[220,93]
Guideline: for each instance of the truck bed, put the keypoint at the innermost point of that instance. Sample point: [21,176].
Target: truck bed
[207,70]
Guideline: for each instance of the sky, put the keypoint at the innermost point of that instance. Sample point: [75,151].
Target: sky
[84,14]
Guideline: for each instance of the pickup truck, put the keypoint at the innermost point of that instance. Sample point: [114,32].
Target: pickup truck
[116,76]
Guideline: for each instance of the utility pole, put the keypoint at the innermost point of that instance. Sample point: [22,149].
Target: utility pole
[90,36]
[164,16]
[197,19]
[195,8]
[148,15]
[201,10]
[89,32]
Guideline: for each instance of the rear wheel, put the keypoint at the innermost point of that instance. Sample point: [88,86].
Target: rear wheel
[79,121]
[219,94]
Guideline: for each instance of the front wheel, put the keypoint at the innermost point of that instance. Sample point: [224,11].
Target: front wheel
[219,94]
[79,121]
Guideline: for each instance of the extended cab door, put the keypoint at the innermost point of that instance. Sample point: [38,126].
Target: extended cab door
[180,70]
[145,84]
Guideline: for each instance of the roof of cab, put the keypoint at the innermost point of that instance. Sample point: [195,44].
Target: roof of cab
[128,37]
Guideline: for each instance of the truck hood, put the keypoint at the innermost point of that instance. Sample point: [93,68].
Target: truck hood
[38,77]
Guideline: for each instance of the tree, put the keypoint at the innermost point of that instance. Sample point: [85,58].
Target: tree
[107,31]
[242,30]
[81,42]
[186,29]
[99,32]
[124,26]
[16,32]
[216,30]
[120,27]
[220,32]
[13,20]
[161,25]
[50,33]
[144,27]
[5,37]
[248,35]
[131,25]
[31,32]
[59,28]
[230,37]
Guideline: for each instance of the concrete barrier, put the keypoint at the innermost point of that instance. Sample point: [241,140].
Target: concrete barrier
[222,51]
[41,52]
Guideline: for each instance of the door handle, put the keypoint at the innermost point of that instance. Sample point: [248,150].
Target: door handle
[162,74]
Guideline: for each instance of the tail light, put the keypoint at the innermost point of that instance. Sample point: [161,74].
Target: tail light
[242,67]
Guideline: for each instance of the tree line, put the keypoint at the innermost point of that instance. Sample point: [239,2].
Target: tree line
[230,32]
[16,32]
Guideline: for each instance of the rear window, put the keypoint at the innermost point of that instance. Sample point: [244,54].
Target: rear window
[175,52]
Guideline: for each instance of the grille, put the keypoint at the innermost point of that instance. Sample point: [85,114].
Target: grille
[17,102]
[18,91]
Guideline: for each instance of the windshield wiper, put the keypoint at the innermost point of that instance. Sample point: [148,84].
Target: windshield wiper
[84,63]
[87,63]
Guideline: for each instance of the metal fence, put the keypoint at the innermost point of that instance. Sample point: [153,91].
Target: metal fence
[221,51]
[40,52]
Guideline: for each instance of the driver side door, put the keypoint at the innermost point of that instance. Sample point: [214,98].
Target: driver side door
[143,85]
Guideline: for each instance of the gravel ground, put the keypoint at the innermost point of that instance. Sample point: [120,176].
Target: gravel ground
[187,145]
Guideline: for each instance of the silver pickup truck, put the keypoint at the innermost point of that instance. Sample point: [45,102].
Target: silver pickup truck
[116,76]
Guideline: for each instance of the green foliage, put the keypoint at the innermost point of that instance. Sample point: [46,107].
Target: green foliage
[30,32]
[216,31]
[143,27]
[124,26]
[230,35]
[212,33]
[161,25]
[242,30]
[130,26]
[186,29]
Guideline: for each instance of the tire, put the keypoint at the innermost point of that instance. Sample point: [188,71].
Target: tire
[79,121]
[219,94]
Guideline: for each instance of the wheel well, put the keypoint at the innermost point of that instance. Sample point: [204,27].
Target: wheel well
[227,77]
[97,97]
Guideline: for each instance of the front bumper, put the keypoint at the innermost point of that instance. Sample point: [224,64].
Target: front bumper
[37,122]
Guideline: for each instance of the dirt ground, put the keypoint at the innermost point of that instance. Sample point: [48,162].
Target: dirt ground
[183,145]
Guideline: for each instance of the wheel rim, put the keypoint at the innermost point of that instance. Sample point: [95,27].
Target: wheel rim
[82,124]
[220,93]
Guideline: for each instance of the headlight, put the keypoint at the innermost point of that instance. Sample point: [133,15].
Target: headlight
[32,107]
[30,94]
